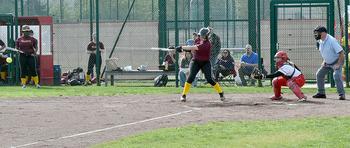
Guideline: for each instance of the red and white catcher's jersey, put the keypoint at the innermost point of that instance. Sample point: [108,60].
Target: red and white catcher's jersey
[288,70]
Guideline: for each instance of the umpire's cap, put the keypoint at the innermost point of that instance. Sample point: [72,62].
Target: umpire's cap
[320,29]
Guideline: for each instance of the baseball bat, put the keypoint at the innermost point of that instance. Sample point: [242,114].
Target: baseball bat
[162,49]
[12,49]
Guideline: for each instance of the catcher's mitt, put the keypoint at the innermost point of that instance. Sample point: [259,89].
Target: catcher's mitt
[257,74]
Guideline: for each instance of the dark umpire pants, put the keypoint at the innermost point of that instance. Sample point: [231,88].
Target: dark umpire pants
[92,63]
[28,65]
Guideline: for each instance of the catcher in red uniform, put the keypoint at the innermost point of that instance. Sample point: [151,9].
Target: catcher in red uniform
[288,74]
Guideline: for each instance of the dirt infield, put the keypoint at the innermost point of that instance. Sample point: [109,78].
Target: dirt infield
[84,121]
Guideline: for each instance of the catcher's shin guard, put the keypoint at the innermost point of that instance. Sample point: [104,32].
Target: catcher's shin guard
[296,89]
[3,75]
[36,80]
[186,88]
[217,88]
[276,87]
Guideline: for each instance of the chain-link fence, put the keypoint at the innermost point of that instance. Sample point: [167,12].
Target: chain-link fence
[155,24]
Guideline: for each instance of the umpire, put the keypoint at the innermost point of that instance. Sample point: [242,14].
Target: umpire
[27,46]
[333,59]
[215,47]
[200,61]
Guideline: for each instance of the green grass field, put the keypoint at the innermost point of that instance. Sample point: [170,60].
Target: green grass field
[311,132]
[54,91]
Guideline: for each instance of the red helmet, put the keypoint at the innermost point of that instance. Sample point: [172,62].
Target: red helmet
[283,55]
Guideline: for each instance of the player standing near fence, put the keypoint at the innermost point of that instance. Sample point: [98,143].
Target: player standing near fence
[3,67]
[333,59]
[91,50]
[28,47]
[200,61]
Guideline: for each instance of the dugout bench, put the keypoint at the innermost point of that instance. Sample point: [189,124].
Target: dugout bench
[134,75]
[113,72]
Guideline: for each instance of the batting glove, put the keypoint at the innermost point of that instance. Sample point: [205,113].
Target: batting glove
[179,49]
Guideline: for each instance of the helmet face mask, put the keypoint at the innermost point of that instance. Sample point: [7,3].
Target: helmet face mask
[318,32]
[317,35]
[280,58]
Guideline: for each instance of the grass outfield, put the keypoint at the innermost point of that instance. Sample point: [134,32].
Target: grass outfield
[310,132]
[53,91]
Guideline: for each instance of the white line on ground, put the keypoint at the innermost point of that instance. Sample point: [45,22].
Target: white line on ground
[103,129]
[24,145]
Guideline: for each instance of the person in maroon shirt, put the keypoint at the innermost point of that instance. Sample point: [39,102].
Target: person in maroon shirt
[27,46]
[91,49]
[3,65]
[200,61]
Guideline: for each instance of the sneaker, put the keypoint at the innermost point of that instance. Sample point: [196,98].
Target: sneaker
[318,95]
[274,98]
[302,99]
[24,86]
[342,97]
[38,86]
[183,98]
[222,97]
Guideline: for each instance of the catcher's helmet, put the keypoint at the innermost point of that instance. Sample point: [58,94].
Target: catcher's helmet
[283,55]
[204,32]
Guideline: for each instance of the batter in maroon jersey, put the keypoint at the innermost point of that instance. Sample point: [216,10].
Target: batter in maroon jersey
[200,61]
[91,49]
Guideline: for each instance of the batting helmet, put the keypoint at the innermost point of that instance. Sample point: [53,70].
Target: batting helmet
[204,32]
[26,28]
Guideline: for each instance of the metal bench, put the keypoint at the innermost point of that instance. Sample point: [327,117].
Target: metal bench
[134,75]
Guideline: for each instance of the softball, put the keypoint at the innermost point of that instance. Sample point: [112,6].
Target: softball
[9,60]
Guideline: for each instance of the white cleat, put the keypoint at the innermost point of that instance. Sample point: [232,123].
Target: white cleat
[183,98]
[24,86]
[38,86]
[302,99]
